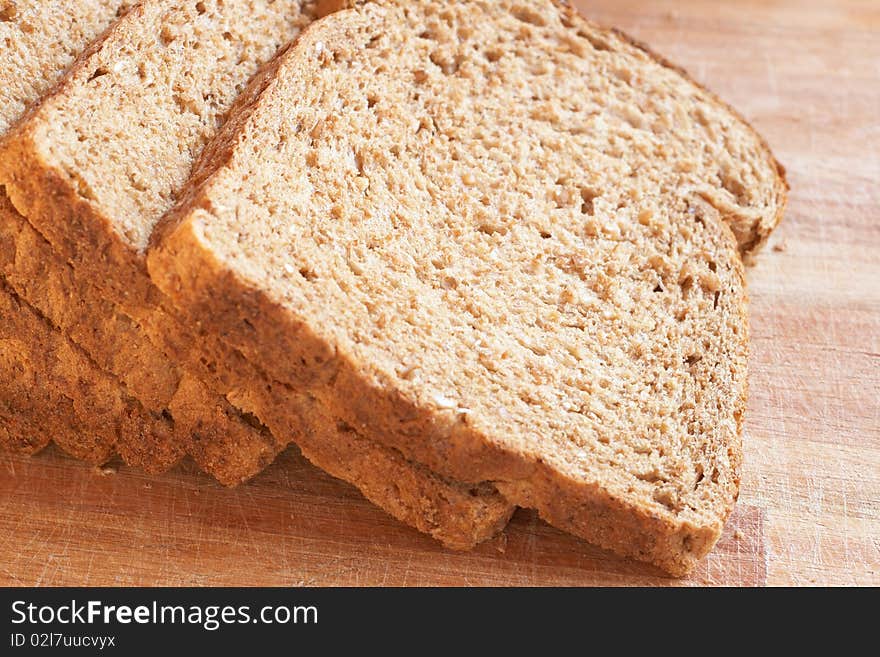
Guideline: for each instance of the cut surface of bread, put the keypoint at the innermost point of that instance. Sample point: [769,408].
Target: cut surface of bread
[212,48]
[498,238]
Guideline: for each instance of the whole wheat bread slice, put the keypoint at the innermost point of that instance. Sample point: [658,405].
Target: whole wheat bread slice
[459,515]
[496,237]
[50,389]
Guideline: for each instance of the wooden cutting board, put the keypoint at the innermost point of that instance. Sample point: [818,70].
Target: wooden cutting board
[807,74]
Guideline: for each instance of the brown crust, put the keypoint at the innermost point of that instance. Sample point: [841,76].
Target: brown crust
[183,267]
[52,392]
[30,268]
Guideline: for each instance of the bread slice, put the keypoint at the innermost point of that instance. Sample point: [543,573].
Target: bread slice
[50,390]
[222,441]
[117,338]
[496,237]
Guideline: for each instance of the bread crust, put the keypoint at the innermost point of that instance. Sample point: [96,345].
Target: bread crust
[184,267]
[52,392]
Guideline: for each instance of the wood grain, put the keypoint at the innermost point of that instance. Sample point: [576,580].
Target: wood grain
[806,74]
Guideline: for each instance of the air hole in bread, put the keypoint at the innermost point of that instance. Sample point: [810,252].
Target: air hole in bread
[446,63]
[529,15]
[596,42]
[98,72]
[185,104]
[588,196]
[425,123]
[686,284]
[574,46]
[651,476]
[697,215]
[208,364]
[448,283]
[137,182]
[166,35]
[252,421]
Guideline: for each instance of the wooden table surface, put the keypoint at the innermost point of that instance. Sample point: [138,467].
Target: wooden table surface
[807,74]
